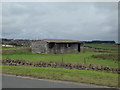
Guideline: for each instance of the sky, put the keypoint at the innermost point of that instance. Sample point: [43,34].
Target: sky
[60,20]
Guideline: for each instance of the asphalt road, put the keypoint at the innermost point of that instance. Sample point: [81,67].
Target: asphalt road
[18,82]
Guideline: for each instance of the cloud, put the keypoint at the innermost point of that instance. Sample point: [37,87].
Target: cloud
[0,19]
[79,21]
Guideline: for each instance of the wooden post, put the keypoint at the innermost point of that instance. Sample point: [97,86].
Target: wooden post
[62,62]
[84,60]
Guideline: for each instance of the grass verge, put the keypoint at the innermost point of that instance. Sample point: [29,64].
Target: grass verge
[94,77]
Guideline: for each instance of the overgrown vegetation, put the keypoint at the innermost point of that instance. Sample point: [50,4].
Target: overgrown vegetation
[93,77]
[111,56]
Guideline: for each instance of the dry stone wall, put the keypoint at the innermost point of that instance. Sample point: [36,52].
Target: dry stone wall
[60,65]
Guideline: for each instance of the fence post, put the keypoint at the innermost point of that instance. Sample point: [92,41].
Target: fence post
[62,62]
[84,60]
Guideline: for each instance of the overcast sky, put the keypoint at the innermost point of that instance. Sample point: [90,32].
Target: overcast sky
[61,20]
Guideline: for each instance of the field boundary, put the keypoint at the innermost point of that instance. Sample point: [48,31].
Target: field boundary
[60,65]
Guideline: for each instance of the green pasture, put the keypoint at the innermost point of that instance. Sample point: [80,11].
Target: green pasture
[83,58]
[11,48]
[103,46]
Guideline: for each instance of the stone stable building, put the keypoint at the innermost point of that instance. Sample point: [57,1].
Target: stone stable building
[55,46]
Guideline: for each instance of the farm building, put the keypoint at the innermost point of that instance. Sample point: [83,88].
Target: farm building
[55,46]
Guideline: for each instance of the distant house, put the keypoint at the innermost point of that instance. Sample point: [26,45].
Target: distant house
[55,46]
[17,42]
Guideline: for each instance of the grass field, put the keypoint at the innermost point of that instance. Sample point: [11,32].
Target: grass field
[71,58]
[86,76]
[11,48]
[94,77]
[103,46]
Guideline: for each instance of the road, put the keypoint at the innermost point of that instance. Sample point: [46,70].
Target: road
[20,82]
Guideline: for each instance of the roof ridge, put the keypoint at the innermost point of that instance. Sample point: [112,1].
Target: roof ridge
[59,40]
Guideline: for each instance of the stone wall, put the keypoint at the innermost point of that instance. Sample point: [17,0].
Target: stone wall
[39,47]
[60,65]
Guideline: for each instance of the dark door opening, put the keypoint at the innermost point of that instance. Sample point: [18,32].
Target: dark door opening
[78,47]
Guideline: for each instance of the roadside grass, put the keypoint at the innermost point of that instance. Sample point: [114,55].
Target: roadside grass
[69,58]
[103,46]
[83,76]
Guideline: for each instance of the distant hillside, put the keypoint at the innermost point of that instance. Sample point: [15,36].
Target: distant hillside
[99,42]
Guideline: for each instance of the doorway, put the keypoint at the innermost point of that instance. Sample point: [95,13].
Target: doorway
[79,47]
